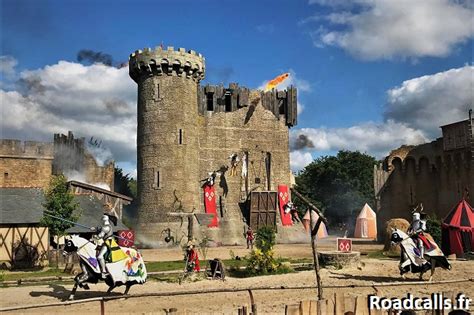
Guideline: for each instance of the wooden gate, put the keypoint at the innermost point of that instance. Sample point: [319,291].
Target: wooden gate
[263,209]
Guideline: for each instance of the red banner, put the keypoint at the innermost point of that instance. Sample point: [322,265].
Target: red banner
[283,199]
[127,238]
[210,204]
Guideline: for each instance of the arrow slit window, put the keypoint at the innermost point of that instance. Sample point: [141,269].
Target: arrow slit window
[157,183]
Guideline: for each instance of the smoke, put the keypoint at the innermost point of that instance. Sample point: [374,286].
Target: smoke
[91,57]
[31,84]
[75,175]
[79,176]
[302,142]
[94,57]
[101,185]
[101,154]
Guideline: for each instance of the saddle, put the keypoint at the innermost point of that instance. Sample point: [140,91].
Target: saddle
[426,243]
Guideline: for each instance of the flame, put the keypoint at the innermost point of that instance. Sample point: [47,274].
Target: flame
[275,82]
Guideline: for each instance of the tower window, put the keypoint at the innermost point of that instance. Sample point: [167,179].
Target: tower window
[268,168]
[180,136]
[210,101]
[5,175]
[157,180]
[228,102]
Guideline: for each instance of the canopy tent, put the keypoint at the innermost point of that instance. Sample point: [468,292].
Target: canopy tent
[322,231]
[366,223]
[458,230]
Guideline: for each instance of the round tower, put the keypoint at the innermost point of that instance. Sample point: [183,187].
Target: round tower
[167,137]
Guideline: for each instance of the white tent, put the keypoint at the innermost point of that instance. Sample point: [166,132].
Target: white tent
[366,223]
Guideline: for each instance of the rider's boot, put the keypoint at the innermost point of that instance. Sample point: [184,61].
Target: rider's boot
[103,271]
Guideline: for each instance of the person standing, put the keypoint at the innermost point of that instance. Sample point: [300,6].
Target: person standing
[250,237]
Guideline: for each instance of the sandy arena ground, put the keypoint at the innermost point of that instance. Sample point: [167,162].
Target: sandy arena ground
[370,273]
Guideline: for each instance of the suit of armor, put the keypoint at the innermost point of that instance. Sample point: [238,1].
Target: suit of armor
[416,228]
[105,233]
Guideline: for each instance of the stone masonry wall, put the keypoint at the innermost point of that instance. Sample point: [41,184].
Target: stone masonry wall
[258,134]
[25,164]
[424,174]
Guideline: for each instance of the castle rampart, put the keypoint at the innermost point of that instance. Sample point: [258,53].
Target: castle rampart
[436,174]
[186,131]
[25,164]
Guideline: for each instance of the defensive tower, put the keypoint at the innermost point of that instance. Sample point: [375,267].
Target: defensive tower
[167,158]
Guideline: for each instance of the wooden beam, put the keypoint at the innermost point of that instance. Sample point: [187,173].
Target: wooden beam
[313,207]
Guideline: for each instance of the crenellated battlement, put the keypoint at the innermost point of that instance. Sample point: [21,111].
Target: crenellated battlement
[167,61]
[26,149]
[217,98]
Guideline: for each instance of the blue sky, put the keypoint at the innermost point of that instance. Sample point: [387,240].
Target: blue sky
[345,57]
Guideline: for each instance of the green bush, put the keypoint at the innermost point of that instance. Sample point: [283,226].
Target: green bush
[261,260]
[433,226]
[265,238]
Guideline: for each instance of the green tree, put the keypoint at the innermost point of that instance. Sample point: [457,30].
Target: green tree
[122,183]
[126,185]
[340,184]
[59,201]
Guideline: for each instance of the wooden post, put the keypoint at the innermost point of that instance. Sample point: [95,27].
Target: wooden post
[315,253]
[102,307]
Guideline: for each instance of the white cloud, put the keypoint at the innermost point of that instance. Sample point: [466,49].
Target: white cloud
[413,114]
[385,29]
[298,160]
[95,100]
[430,101]
[299,108]
[373,138]
[301,84]
[7,66]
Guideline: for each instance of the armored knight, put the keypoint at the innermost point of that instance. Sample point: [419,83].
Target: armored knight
[416,229]
[105,232]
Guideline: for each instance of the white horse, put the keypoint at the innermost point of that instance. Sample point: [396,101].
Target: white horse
[410,259]
[128,271]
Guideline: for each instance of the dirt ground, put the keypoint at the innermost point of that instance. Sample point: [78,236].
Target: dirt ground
[293,251]
[371,273]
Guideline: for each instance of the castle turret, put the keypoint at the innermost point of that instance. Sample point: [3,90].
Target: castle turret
[167,139]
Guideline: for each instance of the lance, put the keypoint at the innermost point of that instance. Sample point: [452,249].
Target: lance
[78,224]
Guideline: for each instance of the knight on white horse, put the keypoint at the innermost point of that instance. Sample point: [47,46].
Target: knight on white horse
[411,258]
[124,266]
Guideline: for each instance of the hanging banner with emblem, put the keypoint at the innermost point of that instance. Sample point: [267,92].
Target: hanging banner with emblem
[344,245]
[210,204]
[283,199]
[127,238]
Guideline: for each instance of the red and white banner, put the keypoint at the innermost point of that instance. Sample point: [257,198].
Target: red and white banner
[283,199]
[344,245]
[210,204]
[127,238]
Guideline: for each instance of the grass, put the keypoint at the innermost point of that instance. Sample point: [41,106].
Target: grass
[17,275]
[155,266]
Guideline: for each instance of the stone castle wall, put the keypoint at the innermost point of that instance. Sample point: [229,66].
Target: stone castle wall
[72,159]
[186,131]
[25,164]
[31,163]
[426,174]
[255,132]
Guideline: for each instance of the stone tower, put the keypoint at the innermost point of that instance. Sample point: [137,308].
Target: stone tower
[167,142]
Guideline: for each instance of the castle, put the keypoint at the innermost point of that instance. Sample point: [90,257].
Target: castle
[436,174]
[30,164]
[186,131]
